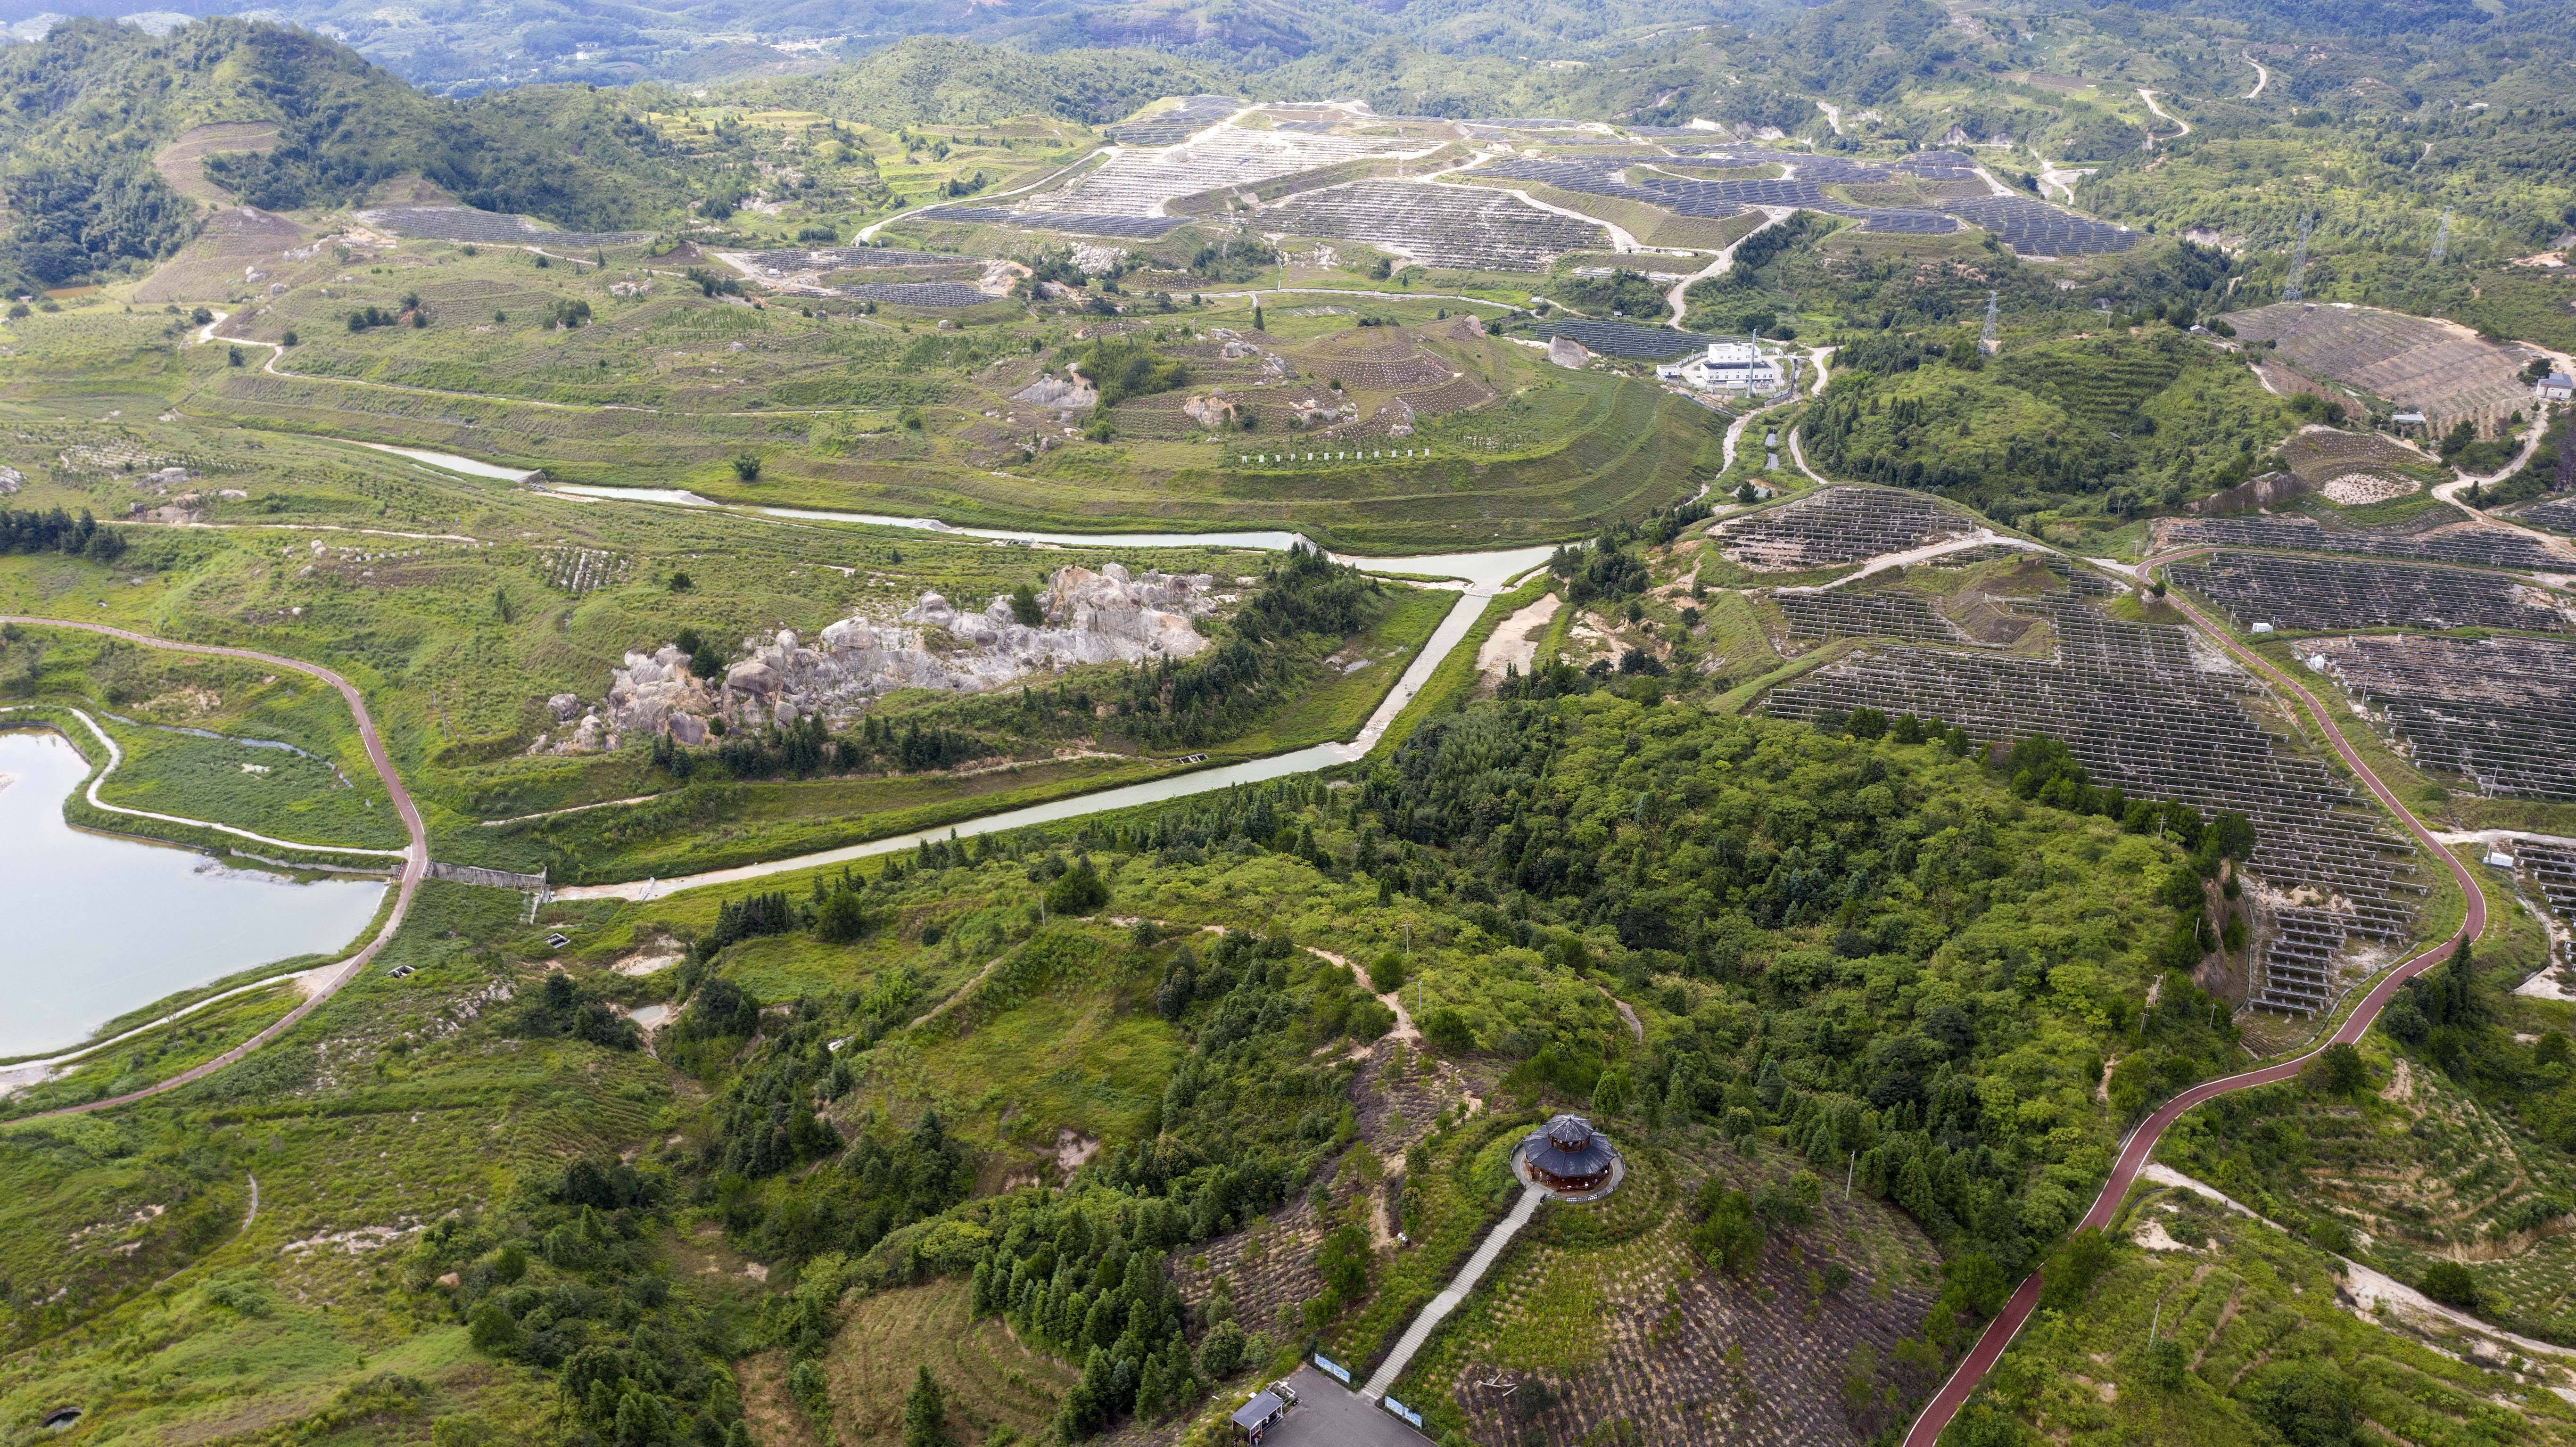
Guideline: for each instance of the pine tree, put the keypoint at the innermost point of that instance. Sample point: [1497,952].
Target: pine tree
[925,1412]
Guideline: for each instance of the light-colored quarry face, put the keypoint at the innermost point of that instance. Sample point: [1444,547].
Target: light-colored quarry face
[1110,616]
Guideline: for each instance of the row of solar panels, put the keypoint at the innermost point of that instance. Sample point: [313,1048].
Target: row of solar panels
[1145,228]
[2028,226]
[1169,128]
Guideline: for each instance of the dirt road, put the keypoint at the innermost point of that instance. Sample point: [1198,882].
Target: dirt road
[2141,1142]
[415,863]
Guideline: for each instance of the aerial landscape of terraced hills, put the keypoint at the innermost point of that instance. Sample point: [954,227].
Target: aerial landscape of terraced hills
[1321,724]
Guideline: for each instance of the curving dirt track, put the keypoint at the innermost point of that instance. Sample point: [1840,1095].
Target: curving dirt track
[2141,1142]
[415,863]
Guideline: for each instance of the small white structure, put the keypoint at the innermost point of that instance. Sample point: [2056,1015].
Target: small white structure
[1733,367]
[2556,387]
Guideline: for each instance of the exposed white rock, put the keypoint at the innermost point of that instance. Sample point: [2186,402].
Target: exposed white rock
[1060,392]
[1106,617]
[1110,616]
[652,694]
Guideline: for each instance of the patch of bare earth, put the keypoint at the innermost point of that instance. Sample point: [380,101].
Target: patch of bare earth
[772,1417]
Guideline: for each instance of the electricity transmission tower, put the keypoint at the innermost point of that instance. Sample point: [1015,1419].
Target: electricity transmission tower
[2442,238]
[1986,340]
[2295,288]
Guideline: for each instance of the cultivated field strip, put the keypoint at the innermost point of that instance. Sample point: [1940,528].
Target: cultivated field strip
[1836,526]
[2499,711]
[2311,594]
[1612,337]
[1461,226]
[464,223]
[2140,710]
[2473,544]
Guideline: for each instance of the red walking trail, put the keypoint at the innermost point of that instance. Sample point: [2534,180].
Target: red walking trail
[414,866]
[2141,1143]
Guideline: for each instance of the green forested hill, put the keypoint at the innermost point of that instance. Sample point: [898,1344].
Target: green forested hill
[940,81]
[83,114]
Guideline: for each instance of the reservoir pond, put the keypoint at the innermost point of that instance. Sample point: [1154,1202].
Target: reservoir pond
[99,924]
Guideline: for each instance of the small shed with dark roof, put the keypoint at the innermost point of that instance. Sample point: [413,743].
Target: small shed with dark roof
[1568,1155]
[1256,1417]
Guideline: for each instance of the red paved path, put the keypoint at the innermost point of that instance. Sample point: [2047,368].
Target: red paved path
[2141,1143]
[413,867]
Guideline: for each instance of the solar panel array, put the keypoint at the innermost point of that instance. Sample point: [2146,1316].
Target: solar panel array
[1171,127]
[2473,544]
[1911,223]
[1144,228]
[1937,161]
[859,258]
[1612,338]
[849,258]
[1835,526]
[2027,225]
[2136,708]
[2558,515]
[1793,193]
[2035,228]
[2501,711]
[1738,193]
[1593,178]
[1848,614]
[1462,226]
[2311,594]
[917,293]
[1138,182]
[2553,868]
[1840,171]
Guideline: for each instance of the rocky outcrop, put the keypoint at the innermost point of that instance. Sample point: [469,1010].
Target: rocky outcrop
[1071,393]
[1211,412]
[1106,617]
[1110,616]
[1567,352]
[652,694]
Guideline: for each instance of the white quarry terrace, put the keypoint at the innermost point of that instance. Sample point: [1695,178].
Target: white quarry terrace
[1087,617]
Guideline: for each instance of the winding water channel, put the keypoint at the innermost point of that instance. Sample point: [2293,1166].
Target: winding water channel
[1482,574]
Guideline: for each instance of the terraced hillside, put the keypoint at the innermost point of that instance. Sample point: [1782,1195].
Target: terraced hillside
[2435,367]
